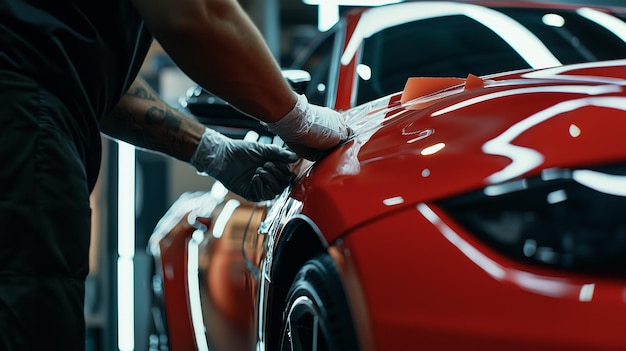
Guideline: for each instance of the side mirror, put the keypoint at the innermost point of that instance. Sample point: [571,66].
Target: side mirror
[298,79]
[218,114]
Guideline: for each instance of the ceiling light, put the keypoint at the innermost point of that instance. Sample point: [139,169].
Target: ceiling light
[351,2]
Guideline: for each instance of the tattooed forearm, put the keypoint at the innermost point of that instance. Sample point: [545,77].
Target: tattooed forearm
[144,120]
[123,125]
[166,118]
[141,92]
[173,140]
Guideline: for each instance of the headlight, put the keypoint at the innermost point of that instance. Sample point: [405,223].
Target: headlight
[572,219]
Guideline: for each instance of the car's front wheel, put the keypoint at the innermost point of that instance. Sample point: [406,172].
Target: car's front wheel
[316,316]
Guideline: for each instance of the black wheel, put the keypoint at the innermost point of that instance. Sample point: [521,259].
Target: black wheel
[316,316]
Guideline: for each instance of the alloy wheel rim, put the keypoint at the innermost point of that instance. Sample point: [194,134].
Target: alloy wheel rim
[305,329]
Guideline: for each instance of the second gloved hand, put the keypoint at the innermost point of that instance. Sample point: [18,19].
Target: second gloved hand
[310,130]
[252,170]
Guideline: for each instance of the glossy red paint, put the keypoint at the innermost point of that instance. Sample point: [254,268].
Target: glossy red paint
[227,286]
[344,97]
[414,278]
[448,293]
[173,259]
[482,298]
[533,107]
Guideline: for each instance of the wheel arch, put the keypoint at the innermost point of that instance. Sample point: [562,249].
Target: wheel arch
[299,241]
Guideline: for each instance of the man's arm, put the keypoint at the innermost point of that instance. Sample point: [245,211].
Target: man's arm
[216,44]
[253,170]
[141,118]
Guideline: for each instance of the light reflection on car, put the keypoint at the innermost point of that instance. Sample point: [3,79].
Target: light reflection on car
[475,212]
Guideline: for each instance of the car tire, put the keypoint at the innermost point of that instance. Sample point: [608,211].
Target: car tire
[316,316]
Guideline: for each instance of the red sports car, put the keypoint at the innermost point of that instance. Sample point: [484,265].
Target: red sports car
[473,210]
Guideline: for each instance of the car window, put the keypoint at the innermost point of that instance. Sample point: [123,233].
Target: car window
[575,36]
[457,45]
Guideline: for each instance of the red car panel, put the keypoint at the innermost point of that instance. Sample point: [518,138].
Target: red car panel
[481,298]
[427,213]
[512,110]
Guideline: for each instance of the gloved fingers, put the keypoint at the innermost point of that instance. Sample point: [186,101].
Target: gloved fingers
[308,153]
[282,172]
[264,186]
[275,183]
[312,126]
[279,169]
[278,154]
[330,123]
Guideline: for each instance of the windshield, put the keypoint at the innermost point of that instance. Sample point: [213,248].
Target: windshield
[509,39]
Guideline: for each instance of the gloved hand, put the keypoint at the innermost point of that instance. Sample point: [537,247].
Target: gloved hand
[310,130]
[252,170]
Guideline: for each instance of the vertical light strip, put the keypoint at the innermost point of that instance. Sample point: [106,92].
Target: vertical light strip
[125,305]
[125,247]
[193,285]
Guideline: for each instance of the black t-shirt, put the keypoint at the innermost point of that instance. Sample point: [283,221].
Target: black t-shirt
[87,52]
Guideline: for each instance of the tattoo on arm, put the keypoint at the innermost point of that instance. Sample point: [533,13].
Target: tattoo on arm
[144,120]
[162,117]
[126,127]
[141,93]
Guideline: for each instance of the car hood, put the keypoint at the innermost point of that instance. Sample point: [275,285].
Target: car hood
[408,149]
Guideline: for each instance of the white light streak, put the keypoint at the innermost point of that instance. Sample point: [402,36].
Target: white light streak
[219,191]
[393,201]
[125,304]
[573,89]
[364,71]
[523,158]
[193,284]
[505,188]
[126,200]
[574,131]
[556,196]
[611,23]
[433,149]
[327,16]
[524,42]
[251,135]
[549,174]
[484,262]
[553,20]
[586,292]
[543,285]
[126,247]
[351,2]
[422,134]
[558,73]
[605,183]
[547,286]
[221,221]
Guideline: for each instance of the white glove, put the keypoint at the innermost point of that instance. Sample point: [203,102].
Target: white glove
[310,130]
[252,170]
